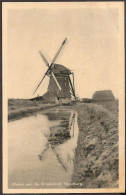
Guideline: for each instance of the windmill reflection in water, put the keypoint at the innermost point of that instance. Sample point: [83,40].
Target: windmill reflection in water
[60,136]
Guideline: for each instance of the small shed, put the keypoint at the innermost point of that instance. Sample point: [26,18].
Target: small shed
[104,95]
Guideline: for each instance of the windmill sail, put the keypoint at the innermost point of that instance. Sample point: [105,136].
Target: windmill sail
[50,67]
[60,86]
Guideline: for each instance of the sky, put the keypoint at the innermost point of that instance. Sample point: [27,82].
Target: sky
[91,51]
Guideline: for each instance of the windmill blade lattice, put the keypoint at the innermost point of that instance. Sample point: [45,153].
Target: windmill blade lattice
[50,67]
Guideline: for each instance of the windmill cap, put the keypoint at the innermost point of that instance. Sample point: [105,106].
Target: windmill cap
[58,68]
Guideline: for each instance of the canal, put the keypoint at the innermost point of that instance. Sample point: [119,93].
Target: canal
[41,149]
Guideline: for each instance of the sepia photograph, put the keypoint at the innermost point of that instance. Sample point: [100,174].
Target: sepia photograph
[63,97]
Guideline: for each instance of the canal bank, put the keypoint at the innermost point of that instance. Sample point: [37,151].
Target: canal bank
[96,158]
[18,108]
[19,113]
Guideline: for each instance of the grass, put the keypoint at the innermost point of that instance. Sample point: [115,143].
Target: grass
[96,158]
[110,105]
[18,108]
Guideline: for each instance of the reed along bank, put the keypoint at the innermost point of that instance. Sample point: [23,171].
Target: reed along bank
[96,162]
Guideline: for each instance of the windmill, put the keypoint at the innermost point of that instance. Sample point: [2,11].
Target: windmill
[61,85]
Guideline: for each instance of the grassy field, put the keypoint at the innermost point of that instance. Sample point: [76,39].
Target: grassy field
[96,158]
[18,108]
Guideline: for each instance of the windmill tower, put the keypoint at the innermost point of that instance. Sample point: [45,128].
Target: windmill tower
[61,86]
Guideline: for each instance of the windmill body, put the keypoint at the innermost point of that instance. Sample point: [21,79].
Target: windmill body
[61,89]
[62,75]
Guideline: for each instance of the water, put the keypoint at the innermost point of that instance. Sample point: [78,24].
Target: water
[41,149]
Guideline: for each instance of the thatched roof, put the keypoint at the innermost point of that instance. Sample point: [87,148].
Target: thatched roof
[104,95]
